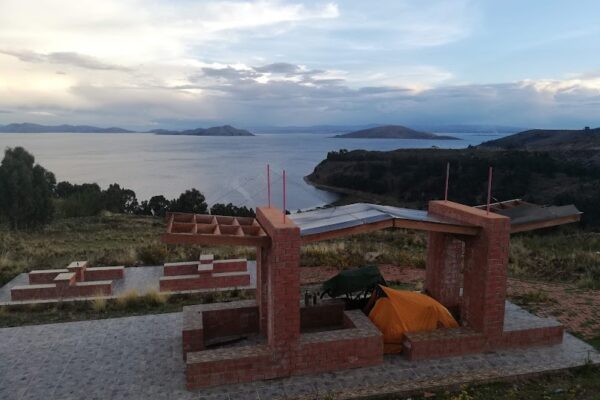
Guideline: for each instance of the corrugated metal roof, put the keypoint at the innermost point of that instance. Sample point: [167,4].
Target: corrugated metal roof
[336,218]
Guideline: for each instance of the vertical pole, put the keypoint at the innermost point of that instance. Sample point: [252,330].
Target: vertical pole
[269,184]
[489,194]
[447,180]
[284,196]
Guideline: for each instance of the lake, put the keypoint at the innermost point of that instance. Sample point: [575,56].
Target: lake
[225,169]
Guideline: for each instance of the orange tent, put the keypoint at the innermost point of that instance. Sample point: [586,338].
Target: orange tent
[404,311]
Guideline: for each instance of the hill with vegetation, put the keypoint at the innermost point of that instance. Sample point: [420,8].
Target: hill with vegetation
[225,130]
[393,132]
[36,128]
[549,140]
[412,177]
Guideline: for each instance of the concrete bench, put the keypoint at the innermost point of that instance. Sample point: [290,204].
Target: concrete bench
[38,277]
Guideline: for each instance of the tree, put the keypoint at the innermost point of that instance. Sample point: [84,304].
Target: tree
[191,201]
[26,190]
[119,200]
[231,210]
[158,206]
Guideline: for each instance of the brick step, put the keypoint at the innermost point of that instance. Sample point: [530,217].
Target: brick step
[181,268]
[38,277]
[65,279]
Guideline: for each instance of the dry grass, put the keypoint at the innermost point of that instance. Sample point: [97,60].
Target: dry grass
[99,304]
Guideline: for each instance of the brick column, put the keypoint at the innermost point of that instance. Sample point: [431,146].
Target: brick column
[445,257]
[485,266]
[281,262]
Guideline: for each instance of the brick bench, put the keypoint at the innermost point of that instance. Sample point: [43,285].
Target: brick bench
[176,283]
[181,268]
[92,289]
[33,292]
[236,265]
[44,276]
[104,273]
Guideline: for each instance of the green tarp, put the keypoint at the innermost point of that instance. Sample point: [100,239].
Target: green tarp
[362,279]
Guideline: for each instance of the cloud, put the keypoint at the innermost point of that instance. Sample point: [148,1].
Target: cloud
[63,58]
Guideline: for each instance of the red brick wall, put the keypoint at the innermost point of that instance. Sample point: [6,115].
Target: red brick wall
[203,282]
[322,315]
[282,260]
[485,266]
[445,259]
[230,322]
[43,277]
[230,266]
[185,269]
[103,274]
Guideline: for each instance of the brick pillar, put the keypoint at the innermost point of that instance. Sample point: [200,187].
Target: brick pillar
[281,262]
[485,265]
[445,256]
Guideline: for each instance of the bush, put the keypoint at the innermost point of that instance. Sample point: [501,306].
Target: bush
[152,254]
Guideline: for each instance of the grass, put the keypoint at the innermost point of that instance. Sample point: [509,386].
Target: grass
[128,304]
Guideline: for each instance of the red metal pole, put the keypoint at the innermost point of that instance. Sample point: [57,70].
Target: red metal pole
[447,180]
[489,196]
[284,196]
[269,184]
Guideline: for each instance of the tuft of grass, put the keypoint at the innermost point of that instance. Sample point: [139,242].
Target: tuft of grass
[99,304]
[154,297]
[127,299]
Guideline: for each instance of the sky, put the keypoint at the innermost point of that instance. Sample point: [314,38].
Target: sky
[146,64]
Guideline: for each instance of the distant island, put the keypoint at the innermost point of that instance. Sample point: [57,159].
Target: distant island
[548,140]
[393,132]
[36,128]
[225,130]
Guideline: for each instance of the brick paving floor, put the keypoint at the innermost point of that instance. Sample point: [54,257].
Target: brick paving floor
[140,358]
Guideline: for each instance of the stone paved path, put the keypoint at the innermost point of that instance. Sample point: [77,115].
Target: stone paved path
[140,358]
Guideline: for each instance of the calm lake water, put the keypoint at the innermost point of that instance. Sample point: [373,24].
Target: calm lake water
[225,169]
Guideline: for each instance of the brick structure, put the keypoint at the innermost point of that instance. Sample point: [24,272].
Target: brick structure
[332,339]
[204,274]
[479,265]
[77,280]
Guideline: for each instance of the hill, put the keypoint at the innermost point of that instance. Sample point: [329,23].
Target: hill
[549,140]
[225,130]
[36,128]
[393,132]
[412,177]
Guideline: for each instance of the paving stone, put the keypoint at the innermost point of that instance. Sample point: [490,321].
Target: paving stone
[140,357]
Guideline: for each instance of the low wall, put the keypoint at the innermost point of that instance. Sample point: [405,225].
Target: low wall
[195,282]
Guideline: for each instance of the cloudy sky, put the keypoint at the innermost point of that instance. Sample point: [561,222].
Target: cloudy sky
[146,64]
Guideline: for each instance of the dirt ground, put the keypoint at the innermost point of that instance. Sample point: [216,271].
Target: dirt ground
[578,310]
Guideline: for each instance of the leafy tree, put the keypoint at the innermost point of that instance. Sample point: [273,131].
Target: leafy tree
[158,206]
[80,200]
[26,190]
[191,201]
[231,210]
[119,200]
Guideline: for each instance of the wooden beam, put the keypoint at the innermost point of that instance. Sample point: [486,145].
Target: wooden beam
[353,230]
[436,227]
[531,226]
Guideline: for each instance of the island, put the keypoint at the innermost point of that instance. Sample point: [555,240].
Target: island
[393,132]
[27,127]
[225,130]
